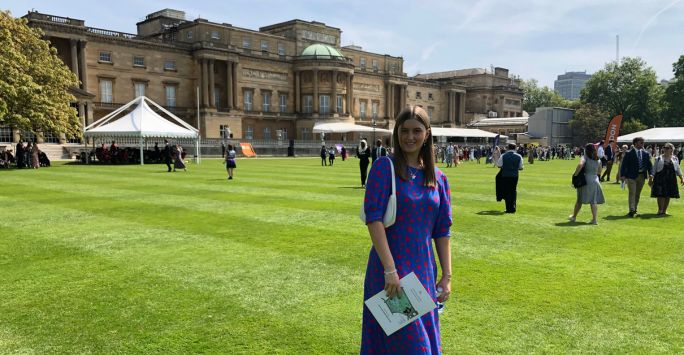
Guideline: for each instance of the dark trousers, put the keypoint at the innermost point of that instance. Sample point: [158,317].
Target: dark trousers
[609,167]
[168,163]
[510,192]
[363,165]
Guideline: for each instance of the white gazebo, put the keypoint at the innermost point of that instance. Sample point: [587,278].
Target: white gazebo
[464,133]
[342,127]
[656,135]
[142,122]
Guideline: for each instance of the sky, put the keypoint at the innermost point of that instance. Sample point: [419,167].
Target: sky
[534,39]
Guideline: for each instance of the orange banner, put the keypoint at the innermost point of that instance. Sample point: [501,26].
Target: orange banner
[247,149]
[613,130]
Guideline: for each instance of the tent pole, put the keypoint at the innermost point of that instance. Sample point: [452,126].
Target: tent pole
[142,160]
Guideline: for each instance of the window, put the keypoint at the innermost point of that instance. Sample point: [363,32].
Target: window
[6,134]
[248,100]
[215,35]
[170,95]
[246,43]
[362,63]
[430,110]
[224,131]
[139,89]
[266,101]
[217,97]
[50,137]
[339,103]
[264,46]
[393,68]
[306,134]
[283,134]
[189,35]
[375,66]
[308,104]
[281,49]
[267,133]
[324,104]
[374,109]
[169,64]
[362,109]
[106,57]
[418,95]
[430,96]
[283,103]
[249,133]
[106,91]
[138,61]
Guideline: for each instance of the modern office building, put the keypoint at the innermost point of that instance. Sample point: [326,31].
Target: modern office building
[571,83]
[276,82]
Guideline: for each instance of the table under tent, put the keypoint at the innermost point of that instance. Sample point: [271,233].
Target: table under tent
[142,123]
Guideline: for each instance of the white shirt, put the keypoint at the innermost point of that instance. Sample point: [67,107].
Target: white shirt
[660,164]
[600,152]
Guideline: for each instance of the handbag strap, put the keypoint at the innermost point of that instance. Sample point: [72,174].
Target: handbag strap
[394,187]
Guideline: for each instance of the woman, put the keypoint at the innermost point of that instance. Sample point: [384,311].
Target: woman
[35,156]
[331,155]
[363,153]
[496,154]
[324,155]
[179,163]
[591,193]
[618,160]
[664,183]
[230,161]
[423,215]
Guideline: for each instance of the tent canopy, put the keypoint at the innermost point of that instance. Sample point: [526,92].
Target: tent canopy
[142,122]
[342,127]
[463,132]
[656,135]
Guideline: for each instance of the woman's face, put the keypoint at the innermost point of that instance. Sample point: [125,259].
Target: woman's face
[412,135]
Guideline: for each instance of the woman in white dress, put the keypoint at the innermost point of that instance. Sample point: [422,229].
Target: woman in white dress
[591,193]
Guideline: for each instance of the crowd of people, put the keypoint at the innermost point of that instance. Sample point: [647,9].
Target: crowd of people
[28,155]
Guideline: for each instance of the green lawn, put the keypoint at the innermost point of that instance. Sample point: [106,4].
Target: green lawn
[130,259]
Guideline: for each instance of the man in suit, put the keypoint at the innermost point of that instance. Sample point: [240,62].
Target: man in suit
[636,166]
[167,154]
[609,156]
[510,164]
[378,151]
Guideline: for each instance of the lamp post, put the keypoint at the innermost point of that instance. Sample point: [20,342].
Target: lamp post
[373,122]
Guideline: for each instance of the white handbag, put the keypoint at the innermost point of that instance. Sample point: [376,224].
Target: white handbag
[391,212]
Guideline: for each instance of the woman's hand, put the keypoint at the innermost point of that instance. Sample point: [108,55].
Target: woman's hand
[445,285]
[392,284]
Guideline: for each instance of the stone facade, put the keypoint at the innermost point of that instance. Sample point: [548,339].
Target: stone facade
[258,84]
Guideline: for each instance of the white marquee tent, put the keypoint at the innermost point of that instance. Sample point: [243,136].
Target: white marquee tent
[656,135]
[342,127]
[143,122]
[464,133]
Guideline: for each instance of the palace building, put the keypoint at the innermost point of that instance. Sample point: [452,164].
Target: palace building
[266,84]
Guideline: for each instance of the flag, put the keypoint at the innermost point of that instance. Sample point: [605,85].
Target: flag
[613,130]
[496,141]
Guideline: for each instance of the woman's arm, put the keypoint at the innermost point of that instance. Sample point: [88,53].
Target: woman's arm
[443,246]
[579,167]
[379,238]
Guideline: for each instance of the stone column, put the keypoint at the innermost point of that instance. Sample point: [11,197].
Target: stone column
[212,88]
[349,94]
[392,98]
[229,85]
[387,101]
[334,92]
[205,79]
[450,106]
[402,98]
[315,93]
[298,92]
[461,109]
[83,70]
[235,85]
[74,57]
[82,113]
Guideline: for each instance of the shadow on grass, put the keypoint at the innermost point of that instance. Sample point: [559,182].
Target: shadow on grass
[616,218]
[652,215]
[571,224]
[352,187]
[490,213]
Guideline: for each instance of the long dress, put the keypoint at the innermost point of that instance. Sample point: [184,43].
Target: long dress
[591,193]
[179,164]
[35,156]
[423,213]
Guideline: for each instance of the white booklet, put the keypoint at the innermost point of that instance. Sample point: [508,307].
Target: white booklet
[395,313]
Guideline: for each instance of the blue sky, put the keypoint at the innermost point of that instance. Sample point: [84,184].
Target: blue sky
[532,38]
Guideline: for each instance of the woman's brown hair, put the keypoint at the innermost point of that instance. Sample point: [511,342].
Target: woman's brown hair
[590,151]
[426,155]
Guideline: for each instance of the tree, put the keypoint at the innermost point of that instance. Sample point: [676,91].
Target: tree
[534,96]
[631,126]
[589,124]
[674,96]
[629,88]
[34,82]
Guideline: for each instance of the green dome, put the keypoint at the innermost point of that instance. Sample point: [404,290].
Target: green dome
[321,51]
